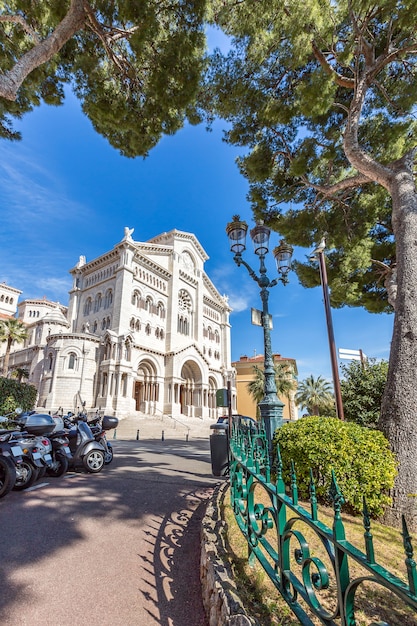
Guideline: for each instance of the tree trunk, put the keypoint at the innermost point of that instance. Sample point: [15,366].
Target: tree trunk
[399,406]
[41,52]
[7,357]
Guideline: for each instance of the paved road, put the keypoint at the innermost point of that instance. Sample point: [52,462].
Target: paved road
[116,548]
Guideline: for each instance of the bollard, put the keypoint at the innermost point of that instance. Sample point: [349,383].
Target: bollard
[115,434]
[186,437]
[137,435]
[163,436]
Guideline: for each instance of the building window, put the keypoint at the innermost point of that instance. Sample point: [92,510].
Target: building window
[72,361]
[108,299]
[97,303]
[87,306]
[184,312]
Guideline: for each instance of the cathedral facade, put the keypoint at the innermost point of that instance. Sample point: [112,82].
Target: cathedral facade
[145,330]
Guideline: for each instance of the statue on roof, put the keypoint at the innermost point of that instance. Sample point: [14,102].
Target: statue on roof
[128,234]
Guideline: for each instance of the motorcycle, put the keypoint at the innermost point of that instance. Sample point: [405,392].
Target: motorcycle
[86,451]
[99,426]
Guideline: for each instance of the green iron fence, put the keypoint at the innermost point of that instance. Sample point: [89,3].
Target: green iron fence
[308,562]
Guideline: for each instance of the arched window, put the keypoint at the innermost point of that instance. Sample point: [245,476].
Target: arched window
[108,298]
[184,312]
[97,302]
[87,306]
[149,304]
[72,361]
[136,298]
[50,361]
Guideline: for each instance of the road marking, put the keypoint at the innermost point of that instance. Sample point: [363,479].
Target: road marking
[38,486]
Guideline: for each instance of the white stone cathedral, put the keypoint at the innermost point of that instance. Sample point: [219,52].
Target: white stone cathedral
[145,330]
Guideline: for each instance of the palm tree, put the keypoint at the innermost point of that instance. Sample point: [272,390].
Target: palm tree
[11,330]
[315,394]
[284,380]
[20,373]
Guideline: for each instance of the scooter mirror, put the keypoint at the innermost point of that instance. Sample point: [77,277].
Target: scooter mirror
[18,410]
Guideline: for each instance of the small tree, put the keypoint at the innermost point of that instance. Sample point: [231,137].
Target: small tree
[284,380]
[362,391]
[315,395]
[11,330]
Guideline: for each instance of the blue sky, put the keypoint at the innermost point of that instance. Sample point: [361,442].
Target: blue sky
[65,192]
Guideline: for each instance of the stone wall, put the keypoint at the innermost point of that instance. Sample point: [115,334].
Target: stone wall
[220,598]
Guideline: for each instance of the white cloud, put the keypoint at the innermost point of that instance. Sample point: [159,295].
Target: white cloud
[30,198]
[239,302]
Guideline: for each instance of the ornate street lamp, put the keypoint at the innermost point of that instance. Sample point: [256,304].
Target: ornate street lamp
[318,255]
[270,407]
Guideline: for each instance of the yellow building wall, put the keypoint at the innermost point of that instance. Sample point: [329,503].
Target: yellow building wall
[245,375]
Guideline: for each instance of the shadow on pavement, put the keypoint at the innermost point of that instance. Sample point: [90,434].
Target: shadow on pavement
[136,523]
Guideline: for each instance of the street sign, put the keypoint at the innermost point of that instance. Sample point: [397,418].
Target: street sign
[256,317]
[352,355]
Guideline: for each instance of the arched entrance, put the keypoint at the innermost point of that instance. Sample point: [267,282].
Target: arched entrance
[212,405]
[191,397]
[146,388]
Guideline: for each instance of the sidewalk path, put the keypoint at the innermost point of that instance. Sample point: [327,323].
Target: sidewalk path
[150,427]
[118,548]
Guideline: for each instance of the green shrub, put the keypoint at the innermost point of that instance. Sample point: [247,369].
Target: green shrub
[360,458]
[14,394]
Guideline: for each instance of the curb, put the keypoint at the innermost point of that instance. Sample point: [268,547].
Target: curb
[220,597]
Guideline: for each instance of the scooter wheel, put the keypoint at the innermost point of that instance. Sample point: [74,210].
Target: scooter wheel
[108,457]
[26,475]
[60,466]
[7,475]
[93,461]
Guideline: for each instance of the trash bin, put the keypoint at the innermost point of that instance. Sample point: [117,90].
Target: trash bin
[219,449]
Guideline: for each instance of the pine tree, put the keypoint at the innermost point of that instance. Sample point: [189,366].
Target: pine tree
[322,94]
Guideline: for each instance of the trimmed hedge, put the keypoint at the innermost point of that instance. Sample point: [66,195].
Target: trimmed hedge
[14,394]
[360,458]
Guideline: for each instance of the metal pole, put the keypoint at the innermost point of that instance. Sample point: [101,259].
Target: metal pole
[332,346]
[270,407]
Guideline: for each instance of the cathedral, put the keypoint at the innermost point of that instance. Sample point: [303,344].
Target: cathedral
[145,330]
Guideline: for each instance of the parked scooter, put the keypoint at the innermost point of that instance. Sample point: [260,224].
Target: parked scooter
[99,425]
[61,451]
[35,450]
[86,451]
[11,455]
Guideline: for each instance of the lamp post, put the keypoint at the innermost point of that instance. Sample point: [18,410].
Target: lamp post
[318,255]
[270,407]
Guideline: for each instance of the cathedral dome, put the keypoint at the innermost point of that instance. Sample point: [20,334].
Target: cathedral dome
[56,316]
